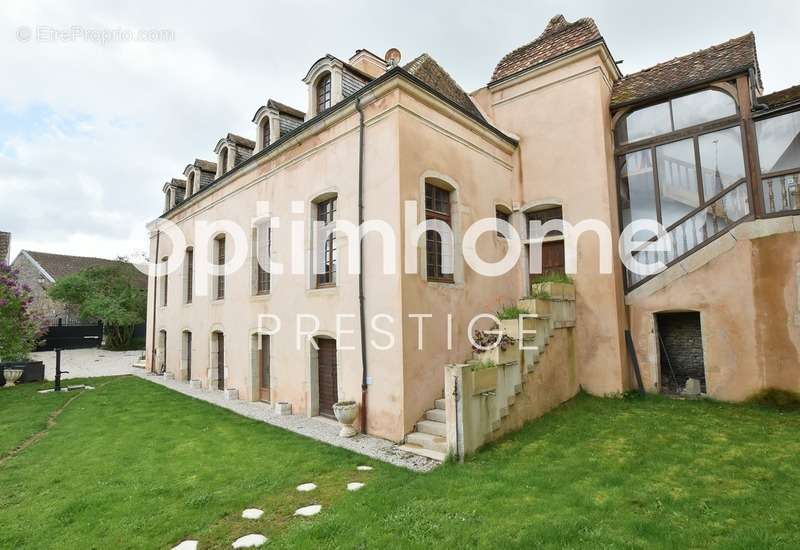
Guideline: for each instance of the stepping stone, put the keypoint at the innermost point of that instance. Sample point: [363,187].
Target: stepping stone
[364,468]
[250,541]
[252,513]
[186,545]
[312,510]
[354,486]
[306,487]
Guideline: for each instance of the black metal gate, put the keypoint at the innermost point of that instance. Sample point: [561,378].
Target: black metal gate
[72,336]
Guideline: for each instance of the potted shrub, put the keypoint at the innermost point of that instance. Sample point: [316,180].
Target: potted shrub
[346,412]
[20,328]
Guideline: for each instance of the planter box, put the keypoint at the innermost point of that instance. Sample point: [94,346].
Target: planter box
[32,371]
[557,291]
[535,305]
[484,379]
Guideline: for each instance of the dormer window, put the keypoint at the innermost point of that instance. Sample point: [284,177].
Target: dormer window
[265,132]
[190,185]
[223,161]
[324,92]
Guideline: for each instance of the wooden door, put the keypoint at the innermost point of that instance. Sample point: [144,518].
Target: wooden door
[553,257]
[263,368]
[188,356]
[328,383]
[220,361]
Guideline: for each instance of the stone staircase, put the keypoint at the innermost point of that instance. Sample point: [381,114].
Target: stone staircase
[430,436]
[495,378]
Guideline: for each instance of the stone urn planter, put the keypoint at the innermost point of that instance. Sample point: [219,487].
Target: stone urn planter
[346,412]
[32,371]
[11,376]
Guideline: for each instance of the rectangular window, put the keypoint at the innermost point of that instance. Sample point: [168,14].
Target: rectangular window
[543,216]
[220,290]
[501,216]
[438,246]
[779,155]
[164,282]
[637,187]
[677,180]
[189,275]
[326,243]
[262,238]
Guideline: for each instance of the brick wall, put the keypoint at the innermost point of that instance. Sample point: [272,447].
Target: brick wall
[682,341]
[5,247]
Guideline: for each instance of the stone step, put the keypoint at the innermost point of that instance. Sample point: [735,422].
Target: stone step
[437,415]
[432,427]
[422,451]
[439,404]
[427,441]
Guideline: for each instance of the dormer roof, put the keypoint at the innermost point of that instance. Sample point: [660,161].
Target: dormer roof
[202,165]
[281,108]
[236,139]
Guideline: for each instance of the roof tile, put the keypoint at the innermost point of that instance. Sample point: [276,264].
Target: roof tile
[559,37]
[720,61]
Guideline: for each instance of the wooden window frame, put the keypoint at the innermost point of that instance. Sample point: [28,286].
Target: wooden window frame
[433,269]
[189,284]
[263,280]
[323,92]
[219,258]
[326,215]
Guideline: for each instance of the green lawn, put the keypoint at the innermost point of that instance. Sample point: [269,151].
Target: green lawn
[134,465]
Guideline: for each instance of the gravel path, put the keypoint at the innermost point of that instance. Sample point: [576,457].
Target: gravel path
[86,363]
[323,430]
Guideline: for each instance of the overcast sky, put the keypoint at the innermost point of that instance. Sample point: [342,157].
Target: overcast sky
[89,132]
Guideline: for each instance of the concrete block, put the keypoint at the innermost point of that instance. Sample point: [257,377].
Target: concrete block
[231,394]
[283,408]
[195,384]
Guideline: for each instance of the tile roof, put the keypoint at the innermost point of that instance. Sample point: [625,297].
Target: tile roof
[559,37]
[723,60]
[781,98]
[281,108]
[60,265]
[426,69]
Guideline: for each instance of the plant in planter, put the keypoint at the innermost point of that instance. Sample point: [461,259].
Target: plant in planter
[20,329]
[346,412]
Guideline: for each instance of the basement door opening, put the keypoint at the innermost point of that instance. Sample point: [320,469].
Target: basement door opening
[680,344]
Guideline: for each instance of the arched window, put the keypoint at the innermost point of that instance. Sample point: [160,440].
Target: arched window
[190,185]
[223,161]
[676,114]
[168,200]
[265,133]
[325,242]
[324,92]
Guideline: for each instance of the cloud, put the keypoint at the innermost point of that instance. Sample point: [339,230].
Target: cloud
[89,132]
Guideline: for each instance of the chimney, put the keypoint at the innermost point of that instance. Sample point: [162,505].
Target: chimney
[5,247]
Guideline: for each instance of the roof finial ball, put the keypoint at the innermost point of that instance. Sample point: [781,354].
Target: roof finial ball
[392,57]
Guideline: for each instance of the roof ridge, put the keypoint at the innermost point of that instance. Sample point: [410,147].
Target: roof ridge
[72,256]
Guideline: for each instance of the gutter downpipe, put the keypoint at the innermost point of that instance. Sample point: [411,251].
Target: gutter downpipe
[364,388]
[155,307]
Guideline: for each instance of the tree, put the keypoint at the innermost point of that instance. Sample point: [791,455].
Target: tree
[20,329]
[107,293]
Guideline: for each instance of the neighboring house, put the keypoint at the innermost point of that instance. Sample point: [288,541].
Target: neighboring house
[5,247]
[39,270]
[557,133]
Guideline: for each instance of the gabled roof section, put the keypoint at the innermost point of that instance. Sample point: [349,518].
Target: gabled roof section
[730,58]
[559,37]
[781,98]
[206,165]
[57,266]
[281,108]
[426,69]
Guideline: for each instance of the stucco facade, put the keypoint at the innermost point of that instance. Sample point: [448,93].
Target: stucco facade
[542,134]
